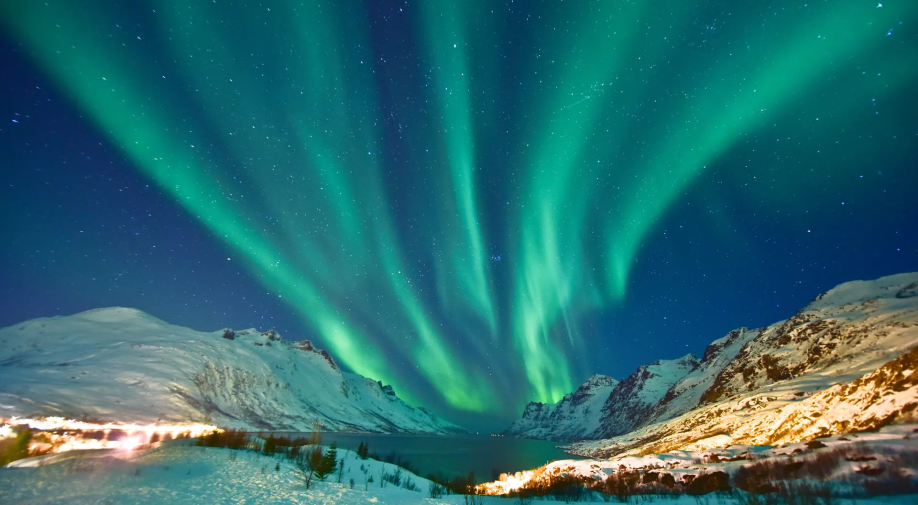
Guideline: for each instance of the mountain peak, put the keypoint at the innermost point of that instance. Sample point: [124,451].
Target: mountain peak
[688,359]
[857,292]
[597,380]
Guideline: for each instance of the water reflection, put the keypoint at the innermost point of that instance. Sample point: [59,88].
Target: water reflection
[452,455]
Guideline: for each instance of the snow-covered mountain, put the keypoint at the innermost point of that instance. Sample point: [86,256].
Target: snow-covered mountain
[602,406]
[120,364]
[842,363]
[687,392]
[574,417]
[632,402]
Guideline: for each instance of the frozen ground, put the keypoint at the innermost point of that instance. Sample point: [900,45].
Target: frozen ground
[182,474]
[194,475]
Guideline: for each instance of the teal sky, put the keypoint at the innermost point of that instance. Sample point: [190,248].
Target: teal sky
[481,203]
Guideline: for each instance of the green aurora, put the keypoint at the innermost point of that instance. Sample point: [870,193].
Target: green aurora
[265,122]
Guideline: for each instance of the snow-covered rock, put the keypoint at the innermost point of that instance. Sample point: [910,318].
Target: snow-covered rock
[810,375]
[120,364]
[685,394]
[841,462]
[633,400]
[574,417]
[844,363]
[602,406]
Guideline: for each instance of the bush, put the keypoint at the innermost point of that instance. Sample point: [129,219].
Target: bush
[435,490]
[17,448]
[270,446]
[708,483]
[394,477]
[328,463]
[894,482]
[310,463]
[622,484]
[760,477]
[474,499]
[410,485]
[561,487]
[232,439]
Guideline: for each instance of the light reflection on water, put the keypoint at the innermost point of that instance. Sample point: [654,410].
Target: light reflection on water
[452,455]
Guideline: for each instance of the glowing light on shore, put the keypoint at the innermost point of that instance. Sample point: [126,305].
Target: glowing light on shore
[508,483]
[59,423]
[131,443]
[61,435]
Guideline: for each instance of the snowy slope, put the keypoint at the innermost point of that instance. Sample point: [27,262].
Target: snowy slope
[573,418]
[603,406]
[119,364]
[687,392]
[177,474]
[633,400]
[846,362]
[882,451]
[851,330]
[840,338]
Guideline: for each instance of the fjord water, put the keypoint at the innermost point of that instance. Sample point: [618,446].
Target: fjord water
[451,455]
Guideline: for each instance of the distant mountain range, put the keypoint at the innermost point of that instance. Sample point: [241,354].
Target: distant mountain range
[843,363]
[119,364]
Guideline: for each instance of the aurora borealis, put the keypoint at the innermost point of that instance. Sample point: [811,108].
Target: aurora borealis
[481,203]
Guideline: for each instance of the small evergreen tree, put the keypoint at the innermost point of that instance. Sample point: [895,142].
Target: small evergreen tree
[310,463]
[362,450]
[270,444]
[328,463]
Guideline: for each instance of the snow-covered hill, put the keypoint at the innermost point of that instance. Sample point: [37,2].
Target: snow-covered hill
[119,364]
[182,474]
[842,363]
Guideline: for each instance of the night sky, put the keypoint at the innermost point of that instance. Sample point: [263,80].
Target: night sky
[481,203]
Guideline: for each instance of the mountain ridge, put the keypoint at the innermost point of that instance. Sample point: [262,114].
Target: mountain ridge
[121,364]
[836,341]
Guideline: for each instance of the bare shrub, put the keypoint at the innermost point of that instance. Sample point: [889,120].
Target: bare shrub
[621,484]
[436,490]
[823,464]
[12,449]
[471,499]
[895,481]
[706,483]
[310,462]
